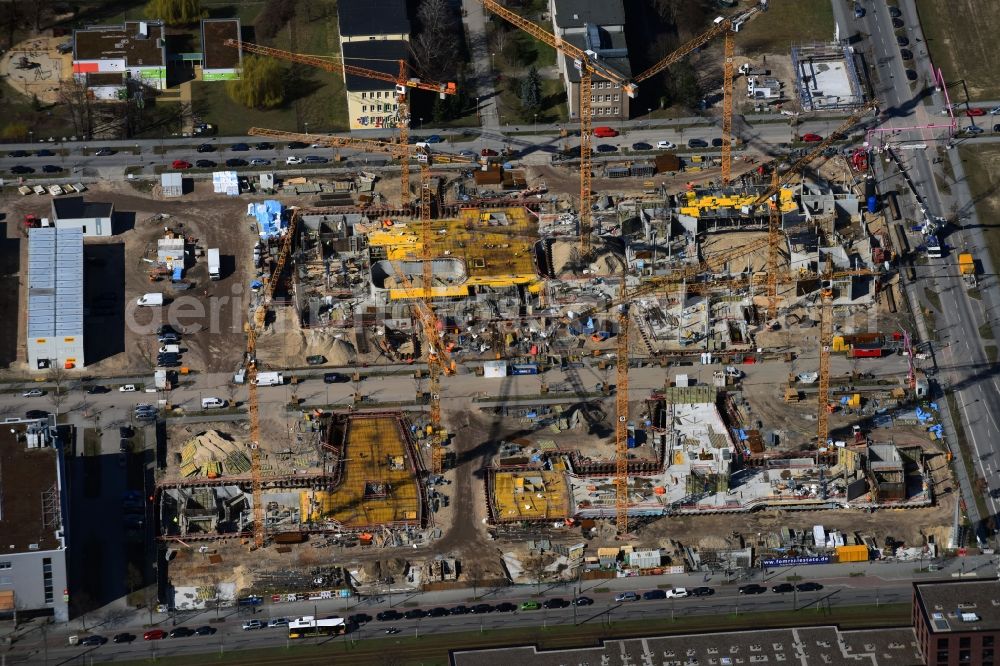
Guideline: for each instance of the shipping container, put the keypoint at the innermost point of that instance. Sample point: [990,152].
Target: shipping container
[866,352]
[213,263]
[852,553]
[290,537]
[524,369]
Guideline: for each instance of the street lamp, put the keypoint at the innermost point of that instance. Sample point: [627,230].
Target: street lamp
[421,123]
[307,127]
[493,61]
[536,124]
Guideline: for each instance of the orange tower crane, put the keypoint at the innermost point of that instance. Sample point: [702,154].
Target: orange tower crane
[438,359]
[621,418]
[588,65]
[727,109]
[255,324]
[825,340]
[335,64]
[777,182]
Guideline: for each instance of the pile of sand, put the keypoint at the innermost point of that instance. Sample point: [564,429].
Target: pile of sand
[566,253]
[330,344]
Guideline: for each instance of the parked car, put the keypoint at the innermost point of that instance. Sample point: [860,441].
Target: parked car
[811,138]
[44,152]
[180,164]
[439,611]
[206,148]
[479,609]
[124,637]
[911,75]
[895,12]
[415,614]
[316,359]
[33,393]
[641,146]
[717,142]
[357,618]
[154,635]
[167,328]
[260,161]
[20,169]
[665,145]
[127,388]
[555,603]
[897,23]
[104,152]
[283,621]
[697,143]
[264,145]
[975,112]
[293,159]
[168,338]
[335,378]
[181,632]
[808,587]
[297,145]
[906,54]
[506,607]
[93,640]
[654,594]
[782,588]
[204,630]
[315,159]
[35,414]
[250,625]
[433,138]
[459,610]
[17,153]
[387,615]
[583,601]
[97,389]
[239,147]
[702,591]
[626,596]
[607,148]
[235,162]
[530,605]
[488,152]
[677,593]
[204,164]
[125,432]
[51,168]
[605,132]
[902,40]
[752,588]
[468,154]
[996,128]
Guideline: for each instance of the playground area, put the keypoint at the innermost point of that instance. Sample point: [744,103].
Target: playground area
[36,67]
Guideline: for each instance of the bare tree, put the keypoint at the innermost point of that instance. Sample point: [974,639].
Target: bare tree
[73,95]
[435,47]
[475,572]
[57,377]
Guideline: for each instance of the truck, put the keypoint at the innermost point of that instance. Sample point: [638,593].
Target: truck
[967,268]
[524,369]
[269,379]
[933,246]
[150,300]
[213,263]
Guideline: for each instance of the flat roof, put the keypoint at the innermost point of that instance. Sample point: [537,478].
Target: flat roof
[110,42]
[620,65]
[577,13]
[55,282]
[380,55]
[30,511]
[104,79]
[373,17]
[214,32]
[960,606]
[827,645]
[75,208]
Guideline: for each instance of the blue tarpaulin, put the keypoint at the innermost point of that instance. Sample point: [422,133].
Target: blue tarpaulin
[270,221]
[178,274]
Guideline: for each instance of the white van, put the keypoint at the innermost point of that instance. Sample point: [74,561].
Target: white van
[212,403]
[149,300]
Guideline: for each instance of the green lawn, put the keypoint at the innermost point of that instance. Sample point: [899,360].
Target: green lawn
[787,22]
[982,168]
[553,105]
[963,48]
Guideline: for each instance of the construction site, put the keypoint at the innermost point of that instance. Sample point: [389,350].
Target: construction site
[586,367]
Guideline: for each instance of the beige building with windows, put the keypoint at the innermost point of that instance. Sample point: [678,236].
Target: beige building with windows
[373,34]
[598,26]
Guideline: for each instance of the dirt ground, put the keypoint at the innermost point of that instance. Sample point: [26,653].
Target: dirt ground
[211,314]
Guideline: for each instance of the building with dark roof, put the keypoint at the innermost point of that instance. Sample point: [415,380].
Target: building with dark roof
[135,50]
[957,622]
[33,518]
[218,61]
[93,217]
[372,103]
[597,26]
[370,20]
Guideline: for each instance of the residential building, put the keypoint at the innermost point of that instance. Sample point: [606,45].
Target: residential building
[218,61]
[373,34]
[373,20]
[597,26]
[33,519]
[957,622]
[93,217]
[55,298]
[105,58]
[372,103]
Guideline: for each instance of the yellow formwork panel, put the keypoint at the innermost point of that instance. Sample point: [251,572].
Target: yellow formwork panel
[373,453]
[695,203]
[535,495]
[495,245]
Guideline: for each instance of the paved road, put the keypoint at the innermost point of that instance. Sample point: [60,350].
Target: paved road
[879,583]
[956,326]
